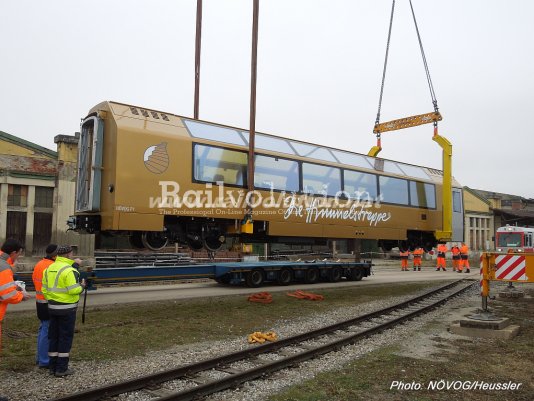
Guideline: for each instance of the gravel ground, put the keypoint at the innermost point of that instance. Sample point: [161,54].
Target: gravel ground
[40,385]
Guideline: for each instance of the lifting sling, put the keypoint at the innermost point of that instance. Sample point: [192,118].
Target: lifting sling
[411,121]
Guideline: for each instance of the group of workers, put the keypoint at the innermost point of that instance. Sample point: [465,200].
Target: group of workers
[460,258]
[417,256]
[57,292]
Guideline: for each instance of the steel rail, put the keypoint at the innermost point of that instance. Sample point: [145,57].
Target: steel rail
[238,378]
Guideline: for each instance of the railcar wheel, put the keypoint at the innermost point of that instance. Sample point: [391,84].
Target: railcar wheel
[214,243]
[311,276]
[154,240]
[135,240]
[285,276]
[194,242]
[334,275]
[254,278]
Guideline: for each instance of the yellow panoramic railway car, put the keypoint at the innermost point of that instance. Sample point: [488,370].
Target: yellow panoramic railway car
[161,178]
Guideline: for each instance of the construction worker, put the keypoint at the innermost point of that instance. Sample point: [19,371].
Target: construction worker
[404,255]
[62,289]
[442,250]
[464,258]
[41,305]
[10,293]
[417,256]
[455,257]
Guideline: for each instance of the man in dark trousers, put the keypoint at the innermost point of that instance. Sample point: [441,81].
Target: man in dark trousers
[41,305]
[62,289]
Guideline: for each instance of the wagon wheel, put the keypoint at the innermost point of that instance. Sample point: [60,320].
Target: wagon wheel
[254,278]
[311,276]
[355,275]
[194,242]
[135,240]
[285,276]
[334,275]
[214,242]
[154,240]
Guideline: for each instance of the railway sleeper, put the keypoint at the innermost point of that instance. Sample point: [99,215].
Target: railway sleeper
[198,379]
[158,392]
[229,370]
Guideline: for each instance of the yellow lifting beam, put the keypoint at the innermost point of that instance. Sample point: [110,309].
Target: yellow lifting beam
[407,122]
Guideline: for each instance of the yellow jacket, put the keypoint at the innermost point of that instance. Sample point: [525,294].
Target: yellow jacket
[61,283]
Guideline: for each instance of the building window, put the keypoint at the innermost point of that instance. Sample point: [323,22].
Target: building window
[44,197]
[17,195]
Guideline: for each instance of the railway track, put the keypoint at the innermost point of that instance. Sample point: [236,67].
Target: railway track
[227,371]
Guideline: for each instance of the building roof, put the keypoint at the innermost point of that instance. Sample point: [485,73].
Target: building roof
[27,166]
[499,195]
[28,145]
[522,217]
[477,195]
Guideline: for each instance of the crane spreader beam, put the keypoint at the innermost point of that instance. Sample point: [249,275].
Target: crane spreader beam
[407,122]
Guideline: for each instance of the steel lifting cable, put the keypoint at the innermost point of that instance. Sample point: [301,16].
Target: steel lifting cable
[427,71]
[385,66]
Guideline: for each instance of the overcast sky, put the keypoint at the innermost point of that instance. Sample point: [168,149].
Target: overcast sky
[319,71]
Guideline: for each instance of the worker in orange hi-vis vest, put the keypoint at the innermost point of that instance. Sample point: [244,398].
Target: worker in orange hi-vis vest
[404,259]
[455,257]
[464,261]
[10,292]
[417,256]
[442,250]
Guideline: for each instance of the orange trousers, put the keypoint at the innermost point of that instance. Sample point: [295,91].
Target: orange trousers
[416,262]
[3,308]
[404,264]
[463,263]
[441,262]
